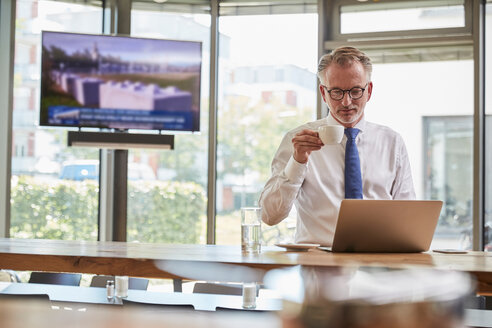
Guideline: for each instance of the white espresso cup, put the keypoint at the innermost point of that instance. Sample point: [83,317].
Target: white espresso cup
[331,134]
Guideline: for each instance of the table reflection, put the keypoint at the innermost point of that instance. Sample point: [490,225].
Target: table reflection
[368,297]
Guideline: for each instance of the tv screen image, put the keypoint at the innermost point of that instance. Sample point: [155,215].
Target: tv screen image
[120,82]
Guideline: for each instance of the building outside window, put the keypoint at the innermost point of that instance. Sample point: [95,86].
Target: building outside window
[169,205]
[267,87]
[44,202]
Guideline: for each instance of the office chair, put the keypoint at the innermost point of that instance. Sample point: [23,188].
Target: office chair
[55,278]
[153,307]
[27,299]
[219,288]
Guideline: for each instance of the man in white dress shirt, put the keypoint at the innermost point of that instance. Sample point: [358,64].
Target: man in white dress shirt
[311,177]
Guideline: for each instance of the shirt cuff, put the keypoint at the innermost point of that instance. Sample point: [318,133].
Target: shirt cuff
[295,171]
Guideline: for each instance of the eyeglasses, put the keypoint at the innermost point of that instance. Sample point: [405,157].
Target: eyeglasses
[338,94]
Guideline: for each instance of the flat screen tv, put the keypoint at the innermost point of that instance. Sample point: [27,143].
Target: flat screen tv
[119,82]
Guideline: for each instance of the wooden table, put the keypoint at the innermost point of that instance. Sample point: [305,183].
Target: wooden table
[160,260]
[15,314]
[26,313]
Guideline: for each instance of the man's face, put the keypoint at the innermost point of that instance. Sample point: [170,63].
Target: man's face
[346,111]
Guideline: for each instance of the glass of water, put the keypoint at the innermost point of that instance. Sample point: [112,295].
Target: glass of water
[251,229]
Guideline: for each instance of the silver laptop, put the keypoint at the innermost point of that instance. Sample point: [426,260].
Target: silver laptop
[386,226]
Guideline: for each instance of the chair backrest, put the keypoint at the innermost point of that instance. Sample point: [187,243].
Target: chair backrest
[55,278]
[153,307]
[42,299]
[100,281]
[133,283]
[217,288]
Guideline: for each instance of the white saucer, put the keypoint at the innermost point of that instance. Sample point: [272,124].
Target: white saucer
[297,247]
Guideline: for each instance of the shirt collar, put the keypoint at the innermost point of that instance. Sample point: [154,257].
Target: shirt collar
[331,121]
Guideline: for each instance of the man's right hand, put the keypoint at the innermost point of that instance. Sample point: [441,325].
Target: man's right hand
[304,143]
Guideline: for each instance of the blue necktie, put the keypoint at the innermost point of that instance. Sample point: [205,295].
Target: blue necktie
[353,178]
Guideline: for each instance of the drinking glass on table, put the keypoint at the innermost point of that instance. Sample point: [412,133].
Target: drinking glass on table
[121,286]
[251,229]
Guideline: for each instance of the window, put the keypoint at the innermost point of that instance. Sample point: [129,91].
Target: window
[273,63]
[423,88]
[448,171]
[405,96]
[401,15]
[46,204]
[167,189]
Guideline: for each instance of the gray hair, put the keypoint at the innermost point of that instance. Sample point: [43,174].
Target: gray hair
[343,56]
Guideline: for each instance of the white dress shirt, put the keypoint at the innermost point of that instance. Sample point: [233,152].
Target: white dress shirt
[318,187]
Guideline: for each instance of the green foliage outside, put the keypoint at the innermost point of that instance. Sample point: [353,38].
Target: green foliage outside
[188,159]
[58,209]
[165,212]
[174,211]
[249,134]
